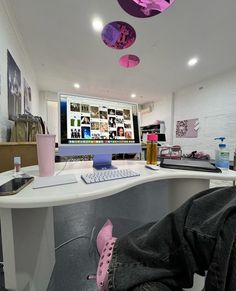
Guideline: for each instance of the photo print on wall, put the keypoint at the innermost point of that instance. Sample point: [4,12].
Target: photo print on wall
[14,87]
[187,128]
[27,98]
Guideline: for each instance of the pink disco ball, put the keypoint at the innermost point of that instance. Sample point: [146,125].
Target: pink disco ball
[129,61]
[145,8]
[118,35]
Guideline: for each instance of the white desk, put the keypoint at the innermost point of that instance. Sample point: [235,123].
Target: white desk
[27,217]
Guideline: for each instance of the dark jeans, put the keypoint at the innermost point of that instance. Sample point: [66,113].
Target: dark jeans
[195,238]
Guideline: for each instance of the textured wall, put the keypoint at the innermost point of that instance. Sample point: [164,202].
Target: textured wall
[214,103]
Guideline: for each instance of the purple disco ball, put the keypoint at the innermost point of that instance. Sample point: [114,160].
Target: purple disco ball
[145,8]
[118,35]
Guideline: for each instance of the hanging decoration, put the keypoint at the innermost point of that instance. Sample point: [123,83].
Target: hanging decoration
[145,8]
[129,61]
[118,35]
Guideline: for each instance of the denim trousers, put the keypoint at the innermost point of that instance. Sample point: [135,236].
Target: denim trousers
[195,238]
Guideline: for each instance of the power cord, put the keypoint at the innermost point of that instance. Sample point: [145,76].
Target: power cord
[91,243]
[68,160]
[75,159]
[70,240]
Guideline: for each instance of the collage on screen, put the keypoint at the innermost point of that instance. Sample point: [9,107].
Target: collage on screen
[100,122]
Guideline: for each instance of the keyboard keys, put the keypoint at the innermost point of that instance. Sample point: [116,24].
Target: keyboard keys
[107,175]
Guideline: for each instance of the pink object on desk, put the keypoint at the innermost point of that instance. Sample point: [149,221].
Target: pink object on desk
[171,152]
[46,154]
[152,137]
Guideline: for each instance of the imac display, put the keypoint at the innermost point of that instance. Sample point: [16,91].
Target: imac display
[96,126]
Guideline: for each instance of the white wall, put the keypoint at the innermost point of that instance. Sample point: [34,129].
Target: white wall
[214,103]
[162,110]
[10,39]
[46,96]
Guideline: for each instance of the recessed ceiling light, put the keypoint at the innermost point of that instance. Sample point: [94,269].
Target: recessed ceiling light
[192,62]
[77,85]
[133,95]
[97,24]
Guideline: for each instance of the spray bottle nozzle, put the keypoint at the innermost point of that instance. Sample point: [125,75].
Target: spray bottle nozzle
[220,138]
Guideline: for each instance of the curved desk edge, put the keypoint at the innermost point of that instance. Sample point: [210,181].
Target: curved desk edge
[80,192]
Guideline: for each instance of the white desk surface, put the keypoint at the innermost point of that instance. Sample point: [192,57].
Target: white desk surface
[79,192]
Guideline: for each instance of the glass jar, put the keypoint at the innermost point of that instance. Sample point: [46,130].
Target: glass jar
[151,149]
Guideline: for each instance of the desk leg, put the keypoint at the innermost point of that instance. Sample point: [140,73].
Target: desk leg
[28,248]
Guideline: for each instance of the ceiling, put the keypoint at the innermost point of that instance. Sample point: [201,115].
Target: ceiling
[65,49]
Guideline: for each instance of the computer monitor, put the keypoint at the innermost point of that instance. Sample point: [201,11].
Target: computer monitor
[161,138]
[98,127]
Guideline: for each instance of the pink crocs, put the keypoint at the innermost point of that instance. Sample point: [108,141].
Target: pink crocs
[105,246]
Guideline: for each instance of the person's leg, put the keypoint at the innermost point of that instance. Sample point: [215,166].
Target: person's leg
[153,286]
[231,274]
[171,251]
[157,252]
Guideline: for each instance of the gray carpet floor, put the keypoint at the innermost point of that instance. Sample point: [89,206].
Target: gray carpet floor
[78,258]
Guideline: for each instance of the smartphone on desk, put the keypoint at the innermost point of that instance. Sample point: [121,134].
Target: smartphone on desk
[15,185]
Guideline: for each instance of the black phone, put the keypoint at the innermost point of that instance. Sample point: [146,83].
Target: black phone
[15,185]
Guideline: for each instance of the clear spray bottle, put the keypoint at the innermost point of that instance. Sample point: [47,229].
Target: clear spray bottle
[222,155]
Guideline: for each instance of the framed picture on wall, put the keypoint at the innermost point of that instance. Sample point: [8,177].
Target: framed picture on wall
[187,128]
[14,87]
[27,98]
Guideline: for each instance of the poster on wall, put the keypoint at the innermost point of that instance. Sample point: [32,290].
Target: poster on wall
[27,98]
[187,128]
[14,87]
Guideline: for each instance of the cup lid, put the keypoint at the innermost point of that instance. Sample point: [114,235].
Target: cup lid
[152,137]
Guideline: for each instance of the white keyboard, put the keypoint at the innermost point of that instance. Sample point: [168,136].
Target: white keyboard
[107,175]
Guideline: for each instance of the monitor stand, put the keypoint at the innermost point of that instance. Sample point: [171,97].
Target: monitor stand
[103,162]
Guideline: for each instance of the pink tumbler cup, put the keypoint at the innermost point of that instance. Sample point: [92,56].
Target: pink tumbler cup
[46,154]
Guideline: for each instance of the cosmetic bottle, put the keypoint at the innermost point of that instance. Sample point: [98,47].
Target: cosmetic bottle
[151,149]
[17,164]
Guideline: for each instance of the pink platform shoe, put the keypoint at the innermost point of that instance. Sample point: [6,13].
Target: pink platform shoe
[105,246]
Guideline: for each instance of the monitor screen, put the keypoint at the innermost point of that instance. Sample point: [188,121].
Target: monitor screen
[161,137]
[91,125]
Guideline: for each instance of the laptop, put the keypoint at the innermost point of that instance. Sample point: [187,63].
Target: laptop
[192,165]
